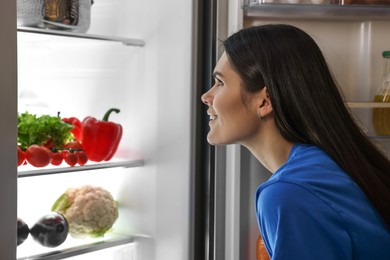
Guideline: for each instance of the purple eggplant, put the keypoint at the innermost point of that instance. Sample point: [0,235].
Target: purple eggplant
[22,231]
[51,230]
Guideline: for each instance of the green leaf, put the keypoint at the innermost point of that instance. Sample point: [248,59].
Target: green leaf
[39,130]
[61,204]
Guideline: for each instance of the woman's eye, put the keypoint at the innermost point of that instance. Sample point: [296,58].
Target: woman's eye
[218,83]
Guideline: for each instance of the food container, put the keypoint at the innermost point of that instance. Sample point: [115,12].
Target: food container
[29,12]
[69,15]
[72,15]
[381,116]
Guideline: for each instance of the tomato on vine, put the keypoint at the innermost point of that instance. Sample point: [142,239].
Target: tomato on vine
[69,158]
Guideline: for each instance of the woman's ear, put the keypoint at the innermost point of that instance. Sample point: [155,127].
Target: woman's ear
[264,107]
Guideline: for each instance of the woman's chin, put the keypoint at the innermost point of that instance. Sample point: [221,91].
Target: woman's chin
[215,141]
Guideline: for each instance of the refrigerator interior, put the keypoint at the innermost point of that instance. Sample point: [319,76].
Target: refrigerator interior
[151,85]
[352,42]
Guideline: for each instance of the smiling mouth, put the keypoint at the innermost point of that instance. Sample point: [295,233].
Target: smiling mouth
[212,117]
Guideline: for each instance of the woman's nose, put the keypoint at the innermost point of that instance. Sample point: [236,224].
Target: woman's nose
[206,98]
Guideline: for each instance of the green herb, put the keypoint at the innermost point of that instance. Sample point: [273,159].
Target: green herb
[42,131]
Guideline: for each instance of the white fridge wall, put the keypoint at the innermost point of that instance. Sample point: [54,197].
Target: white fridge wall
[152,87]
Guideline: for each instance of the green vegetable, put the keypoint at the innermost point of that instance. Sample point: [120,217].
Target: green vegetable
[49,131]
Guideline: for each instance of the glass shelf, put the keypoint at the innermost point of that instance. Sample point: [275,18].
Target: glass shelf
[77,249]
[318,12]
[125,41]
[368,104]
[59,169]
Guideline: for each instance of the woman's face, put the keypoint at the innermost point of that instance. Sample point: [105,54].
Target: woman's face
[231,120]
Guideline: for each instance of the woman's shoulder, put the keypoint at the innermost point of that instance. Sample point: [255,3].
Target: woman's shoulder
[309,171]
[308,163]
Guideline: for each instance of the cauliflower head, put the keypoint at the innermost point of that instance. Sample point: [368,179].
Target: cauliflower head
[90,211]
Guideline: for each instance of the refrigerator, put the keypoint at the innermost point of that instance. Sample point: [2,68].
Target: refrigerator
[179,198]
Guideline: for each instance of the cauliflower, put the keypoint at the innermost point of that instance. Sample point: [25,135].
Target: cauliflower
[90,211]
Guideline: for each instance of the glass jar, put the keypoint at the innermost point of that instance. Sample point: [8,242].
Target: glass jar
[381,116]
[29,12]
[72,15]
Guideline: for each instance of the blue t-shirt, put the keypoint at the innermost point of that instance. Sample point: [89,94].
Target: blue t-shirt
[311,209]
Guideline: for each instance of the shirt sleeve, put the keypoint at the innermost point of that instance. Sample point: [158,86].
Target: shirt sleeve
[296,224]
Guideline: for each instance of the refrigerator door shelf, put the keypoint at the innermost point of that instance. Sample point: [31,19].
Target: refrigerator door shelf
[316,12]
[123,40]
[93,166]
[368,104]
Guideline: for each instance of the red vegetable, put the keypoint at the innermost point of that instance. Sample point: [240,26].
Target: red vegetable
[74,145]
[100,139]
[56,158]
[82,157]
[69,158]
[21,156]
[76,131]
[38,156]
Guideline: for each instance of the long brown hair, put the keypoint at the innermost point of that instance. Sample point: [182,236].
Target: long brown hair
[307,103]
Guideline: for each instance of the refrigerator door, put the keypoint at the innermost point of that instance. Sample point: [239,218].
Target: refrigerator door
[8,130]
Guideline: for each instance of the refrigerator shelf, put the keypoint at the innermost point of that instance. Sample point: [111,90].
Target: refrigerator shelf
[123,40]
[81,249]
[381,138]
[87,167]
[368,104]
[318,12]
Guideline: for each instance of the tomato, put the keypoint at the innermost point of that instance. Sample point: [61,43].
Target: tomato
[82,157]
[74,145]
[38,156]
[69,158]
[21,156]
[56,159]
[49,144]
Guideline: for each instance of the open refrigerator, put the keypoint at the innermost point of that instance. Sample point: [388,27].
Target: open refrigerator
[179,198]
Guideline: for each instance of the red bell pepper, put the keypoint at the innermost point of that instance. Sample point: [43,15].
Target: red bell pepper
[100,138]
[76,131]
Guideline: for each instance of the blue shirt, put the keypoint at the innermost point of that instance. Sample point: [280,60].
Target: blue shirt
[311,209]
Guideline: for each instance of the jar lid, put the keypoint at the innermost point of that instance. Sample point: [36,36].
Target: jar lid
[386,53]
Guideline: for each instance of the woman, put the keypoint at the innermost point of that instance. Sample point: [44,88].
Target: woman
[329,195]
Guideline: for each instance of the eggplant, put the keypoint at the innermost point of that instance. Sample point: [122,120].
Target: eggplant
[51,230]
[22,231]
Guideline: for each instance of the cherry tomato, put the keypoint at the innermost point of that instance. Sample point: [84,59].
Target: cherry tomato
[69,158]
[82,157]
[49,144]
[74,145]
[21,156]
[38,156]
[56,159]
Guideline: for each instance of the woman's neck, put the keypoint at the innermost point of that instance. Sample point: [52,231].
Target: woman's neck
[269,147]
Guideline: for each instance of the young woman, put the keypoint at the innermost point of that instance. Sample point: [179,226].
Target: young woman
[329,195]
